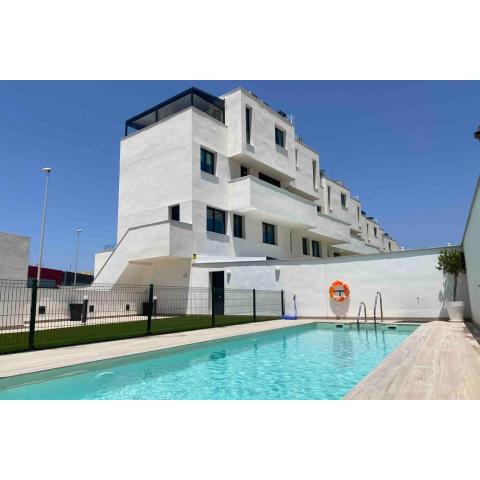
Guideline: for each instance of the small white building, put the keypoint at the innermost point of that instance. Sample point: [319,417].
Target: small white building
[225,179]
[14,251]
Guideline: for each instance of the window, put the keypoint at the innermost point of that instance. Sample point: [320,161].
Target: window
[207,161]
[305,246]
[336,254]
[175,212]
[358,214]
[343,200]
[316,248]
[314,174]
[329,197]
[215,220]
[41,310]
[296,158]
[127,307]
[266,178]
[248,124]
[91,308]
[319,209]
[243,171]
[268,233]
[279,137]
[367,229]
[375,232]
[389,246]
[238,226]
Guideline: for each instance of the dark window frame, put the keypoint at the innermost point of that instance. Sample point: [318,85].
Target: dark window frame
[343,200]
[316,248]
[269,235]
[204,165]
[244,171]
[238,226]
[269,179]
[217,215]
[280,137]
[248,125]
[305,246]
[174,212]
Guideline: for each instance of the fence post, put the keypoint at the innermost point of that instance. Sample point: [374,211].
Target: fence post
[283,302]
[254,306]
[213,306]
[150,309]
[84,309]
[33,314]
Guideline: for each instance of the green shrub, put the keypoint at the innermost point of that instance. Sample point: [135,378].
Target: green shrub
[452,262]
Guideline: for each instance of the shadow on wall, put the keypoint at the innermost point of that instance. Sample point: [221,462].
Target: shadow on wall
[340,309]
[446,295]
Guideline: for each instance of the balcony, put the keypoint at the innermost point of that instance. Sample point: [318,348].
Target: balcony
[251,196]
[356,246]
[331,229]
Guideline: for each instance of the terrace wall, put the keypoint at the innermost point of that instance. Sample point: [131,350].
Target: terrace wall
[410,284]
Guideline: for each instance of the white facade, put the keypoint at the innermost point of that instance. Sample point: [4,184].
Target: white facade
[471,248]
[14,251]
[160,168]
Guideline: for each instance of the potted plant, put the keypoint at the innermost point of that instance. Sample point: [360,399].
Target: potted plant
[452,262]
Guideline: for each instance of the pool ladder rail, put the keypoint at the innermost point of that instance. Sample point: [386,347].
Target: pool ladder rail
[364,313]
[377,296]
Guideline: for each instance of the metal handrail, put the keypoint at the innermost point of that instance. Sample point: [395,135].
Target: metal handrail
[377,296]
[364,313]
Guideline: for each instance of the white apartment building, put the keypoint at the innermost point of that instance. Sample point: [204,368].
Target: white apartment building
[225,178]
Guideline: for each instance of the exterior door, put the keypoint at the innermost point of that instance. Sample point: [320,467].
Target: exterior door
[218,292]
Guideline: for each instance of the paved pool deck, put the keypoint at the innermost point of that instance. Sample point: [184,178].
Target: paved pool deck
[440,360]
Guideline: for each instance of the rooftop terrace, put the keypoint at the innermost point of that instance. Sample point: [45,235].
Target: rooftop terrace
[193,97]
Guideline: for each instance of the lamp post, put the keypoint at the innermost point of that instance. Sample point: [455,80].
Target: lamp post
[76,258]
[46,171]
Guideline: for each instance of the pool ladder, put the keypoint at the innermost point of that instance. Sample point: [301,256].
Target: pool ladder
[359,313]
[377,296]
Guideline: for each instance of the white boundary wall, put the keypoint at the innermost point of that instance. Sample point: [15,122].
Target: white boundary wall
[410,284]
[471,248]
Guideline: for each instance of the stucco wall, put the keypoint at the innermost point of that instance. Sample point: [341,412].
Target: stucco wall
[410,284]
[471,248]
[14,251]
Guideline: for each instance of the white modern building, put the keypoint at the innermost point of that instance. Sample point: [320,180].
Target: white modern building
[14,251]
[205,178]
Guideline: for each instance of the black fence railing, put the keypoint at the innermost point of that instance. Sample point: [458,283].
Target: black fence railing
[38,318]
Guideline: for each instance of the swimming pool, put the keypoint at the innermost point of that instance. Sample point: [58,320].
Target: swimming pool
[314,361]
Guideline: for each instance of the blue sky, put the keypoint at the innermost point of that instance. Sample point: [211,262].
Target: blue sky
[406,148]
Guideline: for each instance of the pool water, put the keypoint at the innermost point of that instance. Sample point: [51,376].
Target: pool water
[315,361]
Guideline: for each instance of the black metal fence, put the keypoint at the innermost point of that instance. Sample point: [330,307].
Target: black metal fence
[38,318]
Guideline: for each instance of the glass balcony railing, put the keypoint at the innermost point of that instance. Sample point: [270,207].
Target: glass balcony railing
[193,97]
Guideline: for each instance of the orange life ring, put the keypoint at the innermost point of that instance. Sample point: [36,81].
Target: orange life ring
[339,291]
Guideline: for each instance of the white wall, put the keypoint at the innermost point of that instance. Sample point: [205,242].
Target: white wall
[410,284]
[471,248]
[14,251]
[155,172]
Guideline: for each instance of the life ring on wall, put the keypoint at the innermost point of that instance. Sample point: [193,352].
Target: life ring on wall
[339,291]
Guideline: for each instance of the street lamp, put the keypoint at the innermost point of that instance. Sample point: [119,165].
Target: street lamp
[76,258]
[46,171]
